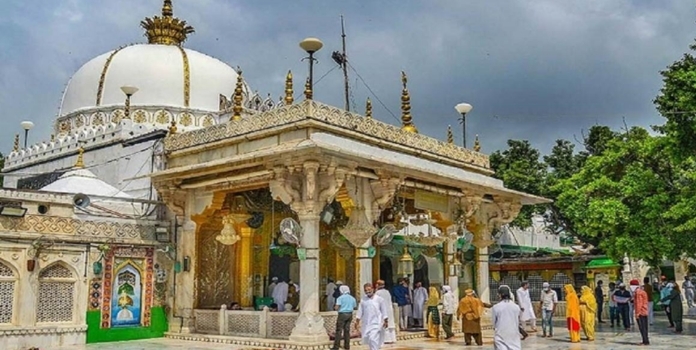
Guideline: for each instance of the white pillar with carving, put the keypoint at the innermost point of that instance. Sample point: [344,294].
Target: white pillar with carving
[309,327]
[482,275]
[453,278]
[307,191]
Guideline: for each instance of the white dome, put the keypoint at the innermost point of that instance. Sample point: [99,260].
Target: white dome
[158,73]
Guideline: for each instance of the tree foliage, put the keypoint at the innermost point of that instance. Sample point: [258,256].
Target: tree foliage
[676,102]
[619,198]
[520,168]
[627,192]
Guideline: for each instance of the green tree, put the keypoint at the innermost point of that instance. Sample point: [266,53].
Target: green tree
[597,140]
[618,199]
[520,168]
[562,163]
[677,104]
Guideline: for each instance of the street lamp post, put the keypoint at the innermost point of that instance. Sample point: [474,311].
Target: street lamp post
[26,125]
[129,91]
[311,45]
[463,109]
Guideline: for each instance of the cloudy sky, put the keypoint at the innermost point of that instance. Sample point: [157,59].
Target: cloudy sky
[537,70]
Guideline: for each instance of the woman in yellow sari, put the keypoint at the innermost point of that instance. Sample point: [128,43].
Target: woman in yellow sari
[432,313]
[588,312]
[572,313]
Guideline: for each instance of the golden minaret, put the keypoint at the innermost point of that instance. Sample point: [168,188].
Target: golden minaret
[238,97]
[406,120]
[289,92]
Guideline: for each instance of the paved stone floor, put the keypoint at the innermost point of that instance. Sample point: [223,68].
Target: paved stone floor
[661,337]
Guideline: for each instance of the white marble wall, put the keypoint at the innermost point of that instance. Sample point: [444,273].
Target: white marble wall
[24,331]
[111,162]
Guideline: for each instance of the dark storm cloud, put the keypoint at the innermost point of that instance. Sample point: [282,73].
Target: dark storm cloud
[537,70]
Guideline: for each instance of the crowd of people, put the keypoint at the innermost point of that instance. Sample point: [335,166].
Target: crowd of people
[434,309]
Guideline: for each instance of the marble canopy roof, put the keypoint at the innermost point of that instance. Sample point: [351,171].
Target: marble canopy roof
[248,150]
[310,113]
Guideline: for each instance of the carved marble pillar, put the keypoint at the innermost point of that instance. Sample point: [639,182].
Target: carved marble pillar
[364,269]
[185,295]
[307,189]
[309,326]
[450,255]
[483,275]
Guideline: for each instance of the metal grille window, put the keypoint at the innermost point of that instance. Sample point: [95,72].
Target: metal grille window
[8,281]
[56,294]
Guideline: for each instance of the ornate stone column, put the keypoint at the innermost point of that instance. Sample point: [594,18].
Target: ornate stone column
[450,256]
[487,216]
[483,275]
[364,269]
[307,190]
[309,326]
[185,301]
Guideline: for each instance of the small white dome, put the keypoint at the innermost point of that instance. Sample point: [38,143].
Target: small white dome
[83,181]
[158,71]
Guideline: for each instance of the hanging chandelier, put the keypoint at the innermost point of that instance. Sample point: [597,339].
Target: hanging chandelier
[358,230]
[431,237]
[228,235]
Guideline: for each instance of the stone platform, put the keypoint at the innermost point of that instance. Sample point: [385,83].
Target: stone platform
[661,337]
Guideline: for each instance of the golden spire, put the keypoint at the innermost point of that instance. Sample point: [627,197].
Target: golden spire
[172,127]
[16,143]
[289,92]
[166,30]
[80,163]
[307,90]
[477,144]
[450,136]
[406,123]
[368,108]
[237,98]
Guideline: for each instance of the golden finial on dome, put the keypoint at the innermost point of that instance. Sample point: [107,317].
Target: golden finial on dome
[368,108]
[477,144]
[80,163]
[308,90]
[238,97]
[172,127]
[16,143]
[289,92]
[406,120]
[450,135]
[166,30]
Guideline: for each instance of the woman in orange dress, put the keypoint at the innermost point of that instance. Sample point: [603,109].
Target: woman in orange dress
[572,313]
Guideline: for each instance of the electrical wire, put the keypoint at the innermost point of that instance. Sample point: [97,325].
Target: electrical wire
[314,84]
[373,93]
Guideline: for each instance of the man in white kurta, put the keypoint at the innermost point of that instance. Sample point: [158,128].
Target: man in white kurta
[420,295]
[506,322]
[527,310]
[280,295]
[330,300]
[372,317]
[269,291]
[390,332]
